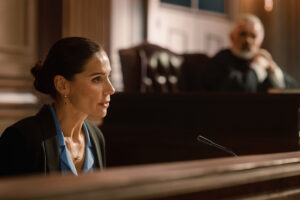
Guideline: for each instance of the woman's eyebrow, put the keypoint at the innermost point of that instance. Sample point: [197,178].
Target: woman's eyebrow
[97,73]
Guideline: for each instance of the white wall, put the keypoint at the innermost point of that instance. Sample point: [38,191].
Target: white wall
[186,29]
[126,31]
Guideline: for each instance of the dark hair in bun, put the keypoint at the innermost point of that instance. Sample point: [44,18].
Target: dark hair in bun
[66,58]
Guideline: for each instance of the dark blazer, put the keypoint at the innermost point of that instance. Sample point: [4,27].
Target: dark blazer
[31,146]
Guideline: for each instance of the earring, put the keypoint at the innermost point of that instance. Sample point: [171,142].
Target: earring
[65,97]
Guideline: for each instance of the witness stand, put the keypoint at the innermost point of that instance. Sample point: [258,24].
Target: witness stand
[151,128]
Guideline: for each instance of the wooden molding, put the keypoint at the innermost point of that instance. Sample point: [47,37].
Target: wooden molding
[253,177]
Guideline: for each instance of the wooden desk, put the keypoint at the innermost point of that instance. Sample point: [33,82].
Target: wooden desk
[265,177]
[147,128]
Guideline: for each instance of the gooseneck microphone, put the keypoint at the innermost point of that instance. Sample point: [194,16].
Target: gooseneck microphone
[211,143]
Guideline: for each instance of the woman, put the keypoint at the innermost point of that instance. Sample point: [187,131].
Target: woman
[59,138]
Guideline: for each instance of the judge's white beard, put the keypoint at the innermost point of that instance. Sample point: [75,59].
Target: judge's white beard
[247,55]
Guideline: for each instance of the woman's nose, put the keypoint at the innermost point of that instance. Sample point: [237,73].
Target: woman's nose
[110,90]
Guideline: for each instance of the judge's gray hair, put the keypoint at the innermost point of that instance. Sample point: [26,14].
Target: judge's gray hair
[249,18]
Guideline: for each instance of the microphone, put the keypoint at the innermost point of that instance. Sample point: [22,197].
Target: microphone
[211,143]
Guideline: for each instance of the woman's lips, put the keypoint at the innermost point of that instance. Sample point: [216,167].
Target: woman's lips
[105,104]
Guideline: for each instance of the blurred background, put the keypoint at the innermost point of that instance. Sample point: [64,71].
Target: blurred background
[29,27]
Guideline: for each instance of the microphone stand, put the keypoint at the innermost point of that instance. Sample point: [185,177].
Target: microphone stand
[211,143]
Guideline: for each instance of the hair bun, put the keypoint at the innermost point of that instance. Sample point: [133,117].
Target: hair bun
[41,82]
[36,69]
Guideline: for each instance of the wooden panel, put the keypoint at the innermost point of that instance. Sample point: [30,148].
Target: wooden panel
[87,18]
[8,83]
[146,128]
[14,107]
[273,176]
[17,37]
[49,25]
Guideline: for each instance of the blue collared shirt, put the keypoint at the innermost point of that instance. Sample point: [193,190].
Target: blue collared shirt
[67,164]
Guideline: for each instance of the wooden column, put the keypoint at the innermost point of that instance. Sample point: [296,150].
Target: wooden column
[17,42]
[49,25]
[18,53]
[87,18]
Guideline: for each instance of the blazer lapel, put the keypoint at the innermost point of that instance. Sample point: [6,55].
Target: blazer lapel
[50,140]
[95,142]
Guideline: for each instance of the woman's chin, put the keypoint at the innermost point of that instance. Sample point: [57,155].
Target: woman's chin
[100,114]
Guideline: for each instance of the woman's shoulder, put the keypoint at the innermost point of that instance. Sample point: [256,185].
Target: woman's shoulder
[17,132]
[28,124]
[22,124]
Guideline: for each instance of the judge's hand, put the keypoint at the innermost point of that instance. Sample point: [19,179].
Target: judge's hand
[264,59]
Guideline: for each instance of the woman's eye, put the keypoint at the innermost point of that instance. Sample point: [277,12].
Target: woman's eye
[96,79]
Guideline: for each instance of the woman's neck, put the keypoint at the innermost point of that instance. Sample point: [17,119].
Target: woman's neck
[70,120]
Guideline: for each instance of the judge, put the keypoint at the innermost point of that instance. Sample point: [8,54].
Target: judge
[245,67]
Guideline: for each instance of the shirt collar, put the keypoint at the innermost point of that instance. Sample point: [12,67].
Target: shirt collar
[61,141]
[65,157]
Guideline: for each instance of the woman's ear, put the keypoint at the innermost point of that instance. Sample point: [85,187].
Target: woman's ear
[61,85]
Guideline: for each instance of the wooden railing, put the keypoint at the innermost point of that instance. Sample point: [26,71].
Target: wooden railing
[270,176]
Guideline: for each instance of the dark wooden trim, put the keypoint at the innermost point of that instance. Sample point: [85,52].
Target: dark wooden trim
[49,25]
[256,177]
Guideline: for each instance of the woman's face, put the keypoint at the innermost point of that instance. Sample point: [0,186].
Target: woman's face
[90,90]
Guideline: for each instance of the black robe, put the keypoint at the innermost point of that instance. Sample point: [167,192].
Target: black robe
[227,72]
